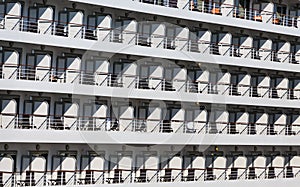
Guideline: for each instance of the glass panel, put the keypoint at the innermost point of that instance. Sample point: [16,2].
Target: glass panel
[28,107]
[58,109]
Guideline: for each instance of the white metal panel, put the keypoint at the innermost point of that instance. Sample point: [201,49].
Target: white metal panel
[259,163]
[198,164]
[40,113]
[278,164]
[284,52]
[12,19]
[204,38]
[10,64]
[151,163]
[101,71]
[104,26]
[43,64]
[176,164]
[45,20]
[280,123]
[224,82]
[244,83]
[8,112]
[69,165]
[70,114]
[73,68]
[267,8]
[242,121]
[219,166]
[6,165]
[246,47]
[181,40]
[97,164]
[125,163]
[240,162]
[265,49]
[75,24]
[157,35]
[225,43]
[126,117]
[38,165]
[128,74]
[179,79]
[295,163]
[129,32]
[155,76]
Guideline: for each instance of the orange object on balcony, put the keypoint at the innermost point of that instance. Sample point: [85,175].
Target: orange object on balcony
[258,18]
[216,11]
[276,21]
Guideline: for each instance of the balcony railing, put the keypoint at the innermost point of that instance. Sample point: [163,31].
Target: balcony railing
[104,124]
[238,12]
[74,76]
[118,176]
[144,39]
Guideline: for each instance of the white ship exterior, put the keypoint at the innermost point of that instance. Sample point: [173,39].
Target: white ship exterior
[149,93]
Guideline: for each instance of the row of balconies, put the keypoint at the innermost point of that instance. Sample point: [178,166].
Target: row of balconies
[46,113]
[265,12]
[40,122]
[153,34]
[201,82]
[148,169]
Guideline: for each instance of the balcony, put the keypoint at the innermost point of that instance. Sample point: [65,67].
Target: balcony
[197,169]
